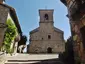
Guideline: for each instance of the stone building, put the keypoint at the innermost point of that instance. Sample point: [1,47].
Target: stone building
[76,15]
[68,56]
[5,12]
[46,38]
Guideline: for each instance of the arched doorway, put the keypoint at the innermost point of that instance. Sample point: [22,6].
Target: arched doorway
[49,50]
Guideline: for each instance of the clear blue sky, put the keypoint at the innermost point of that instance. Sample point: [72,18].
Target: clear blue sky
[27,12]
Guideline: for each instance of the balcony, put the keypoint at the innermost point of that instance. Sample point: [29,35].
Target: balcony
[77,11]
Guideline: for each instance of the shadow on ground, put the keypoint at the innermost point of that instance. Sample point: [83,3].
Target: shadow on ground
[47,61]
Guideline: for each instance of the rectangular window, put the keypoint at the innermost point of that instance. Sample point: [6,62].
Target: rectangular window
[49,36]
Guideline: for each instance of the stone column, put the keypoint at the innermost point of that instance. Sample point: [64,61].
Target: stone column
[17,39]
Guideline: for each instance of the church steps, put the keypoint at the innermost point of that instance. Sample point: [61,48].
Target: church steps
[33,62]
[33,59]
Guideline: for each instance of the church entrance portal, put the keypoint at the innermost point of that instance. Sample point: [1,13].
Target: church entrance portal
[49,50]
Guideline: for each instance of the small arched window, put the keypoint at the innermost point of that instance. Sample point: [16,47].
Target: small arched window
[46,17]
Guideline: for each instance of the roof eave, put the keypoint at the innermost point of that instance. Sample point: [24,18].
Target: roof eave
[58,30]
[14,17]
[64,2]
[33,31]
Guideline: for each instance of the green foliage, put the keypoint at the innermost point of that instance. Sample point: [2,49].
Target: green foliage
[10,34]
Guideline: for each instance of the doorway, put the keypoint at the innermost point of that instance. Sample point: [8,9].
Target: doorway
[49,50]
[82,30]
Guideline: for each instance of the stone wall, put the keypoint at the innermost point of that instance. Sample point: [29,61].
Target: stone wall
[40,42]
[46,37]
[3,17]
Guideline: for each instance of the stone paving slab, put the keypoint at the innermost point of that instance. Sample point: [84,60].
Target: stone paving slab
[33,57]
[22,62]
[2,57]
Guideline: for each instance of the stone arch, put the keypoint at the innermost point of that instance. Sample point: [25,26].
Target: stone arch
[46,16]
[49,50]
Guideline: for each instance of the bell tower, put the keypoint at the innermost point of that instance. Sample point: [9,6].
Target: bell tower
[46,20]
[46,15]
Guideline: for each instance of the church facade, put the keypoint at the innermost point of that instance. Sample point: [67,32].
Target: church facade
[46,38]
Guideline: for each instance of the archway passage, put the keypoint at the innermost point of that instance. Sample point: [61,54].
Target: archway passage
[49,50]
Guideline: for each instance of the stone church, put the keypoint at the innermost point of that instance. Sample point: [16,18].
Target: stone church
[46,38]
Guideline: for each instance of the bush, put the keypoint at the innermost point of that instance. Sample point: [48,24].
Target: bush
[10,34]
